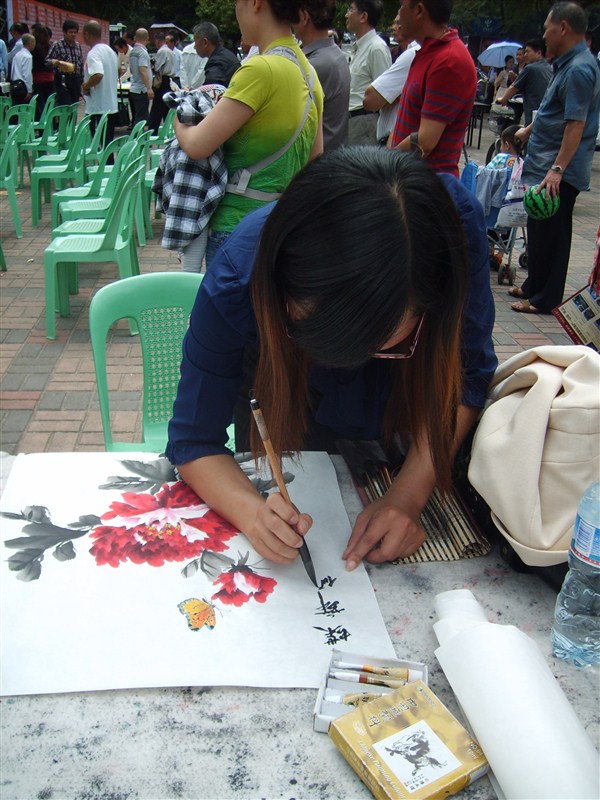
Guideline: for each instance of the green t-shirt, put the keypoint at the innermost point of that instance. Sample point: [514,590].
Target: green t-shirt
[274,87]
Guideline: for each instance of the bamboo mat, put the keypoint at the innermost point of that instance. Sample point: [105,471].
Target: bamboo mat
[451,531]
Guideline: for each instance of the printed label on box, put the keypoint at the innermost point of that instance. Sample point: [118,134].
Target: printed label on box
[417,756]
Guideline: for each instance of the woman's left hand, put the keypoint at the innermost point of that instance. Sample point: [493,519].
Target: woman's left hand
[382,532]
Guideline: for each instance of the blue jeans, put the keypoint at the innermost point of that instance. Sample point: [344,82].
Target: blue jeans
[215,240]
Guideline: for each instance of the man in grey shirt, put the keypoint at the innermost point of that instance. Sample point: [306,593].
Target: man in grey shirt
[532,80]
[164,67]
[140,90]
[331,66]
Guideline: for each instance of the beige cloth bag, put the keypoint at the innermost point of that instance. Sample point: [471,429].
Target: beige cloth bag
[537,447]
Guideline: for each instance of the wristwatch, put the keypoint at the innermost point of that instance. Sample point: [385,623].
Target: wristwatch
[557,168]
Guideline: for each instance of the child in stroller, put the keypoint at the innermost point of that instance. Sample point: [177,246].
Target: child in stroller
[509,149]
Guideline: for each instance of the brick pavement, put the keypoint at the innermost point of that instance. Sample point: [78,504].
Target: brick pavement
[48,400]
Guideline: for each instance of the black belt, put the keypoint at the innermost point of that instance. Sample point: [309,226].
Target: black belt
[360,112]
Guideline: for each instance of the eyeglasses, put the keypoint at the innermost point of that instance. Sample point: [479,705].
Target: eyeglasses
[411,349]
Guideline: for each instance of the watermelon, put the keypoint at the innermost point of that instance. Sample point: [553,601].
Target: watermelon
[540,206]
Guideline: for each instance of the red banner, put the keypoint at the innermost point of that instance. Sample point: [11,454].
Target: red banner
[31,11]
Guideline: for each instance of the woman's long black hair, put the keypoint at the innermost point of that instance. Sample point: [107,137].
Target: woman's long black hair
[362,237]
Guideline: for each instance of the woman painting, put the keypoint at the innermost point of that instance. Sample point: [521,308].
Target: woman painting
[364,294]
[272,98]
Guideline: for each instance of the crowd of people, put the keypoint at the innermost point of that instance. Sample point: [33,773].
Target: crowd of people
[348,286]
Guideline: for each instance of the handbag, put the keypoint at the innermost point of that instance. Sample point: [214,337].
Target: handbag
[18,90]
[157,80]
[537,447]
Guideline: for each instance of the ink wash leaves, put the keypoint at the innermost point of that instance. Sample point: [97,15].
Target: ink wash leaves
[42,535]
[64,552]
[262,485]
[146,475]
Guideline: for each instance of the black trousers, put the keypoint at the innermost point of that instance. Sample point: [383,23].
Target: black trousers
[548,252]
[159,110]
[140,104]
[68,89]
[110,126]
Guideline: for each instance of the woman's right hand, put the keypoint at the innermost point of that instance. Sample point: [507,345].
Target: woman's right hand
[278,529]
[274,527]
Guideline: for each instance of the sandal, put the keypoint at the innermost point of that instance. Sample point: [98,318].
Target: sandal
[525,307]
[516,291]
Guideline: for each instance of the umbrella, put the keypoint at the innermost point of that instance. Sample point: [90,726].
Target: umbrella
[494,55]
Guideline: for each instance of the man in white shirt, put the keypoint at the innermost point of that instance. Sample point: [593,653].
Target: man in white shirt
[22,67]
[192,67]
[123,52]
[384,93]
[171,40]
[372,57]
[100,76]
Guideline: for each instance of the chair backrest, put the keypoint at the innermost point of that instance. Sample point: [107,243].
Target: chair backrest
[119,219]
[143,144]
[124,156]
[160,304]
[5,104]
[97,143]
[23,115]
[48,106]
[79,144]
[137,129]
[166,130]
[8,156]
[112,149]
[57,127]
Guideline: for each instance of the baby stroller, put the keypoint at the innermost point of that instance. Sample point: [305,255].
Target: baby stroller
[501,198]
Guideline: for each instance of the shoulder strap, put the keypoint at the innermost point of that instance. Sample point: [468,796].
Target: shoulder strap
[238,183]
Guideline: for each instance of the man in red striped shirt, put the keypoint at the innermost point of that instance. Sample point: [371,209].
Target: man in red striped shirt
[437,99]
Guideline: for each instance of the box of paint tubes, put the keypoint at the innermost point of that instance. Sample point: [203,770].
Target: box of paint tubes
[407,744]
[354,679]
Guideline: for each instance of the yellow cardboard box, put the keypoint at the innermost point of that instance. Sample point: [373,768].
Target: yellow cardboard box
[408,745]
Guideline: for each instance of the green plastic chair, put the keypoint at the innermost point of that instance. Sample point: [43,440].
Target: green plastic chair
[72,169]
[97,207]
[165,131]
[8,176]
[96,217]
[2,259]
[159,305]
[90,190]
[138,129]
[21,115]
[65,253]
[56,134]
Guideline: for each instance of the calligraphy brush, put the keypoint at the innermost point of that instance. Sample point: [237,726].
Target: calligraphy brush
[276,470]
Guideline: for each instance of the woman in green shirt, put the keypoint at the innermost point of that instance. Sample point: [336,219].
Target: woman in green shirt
[273,99]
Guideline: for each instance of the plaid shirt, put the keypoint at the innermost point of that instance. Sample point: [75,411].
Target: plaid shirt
[65,52]
[188,190]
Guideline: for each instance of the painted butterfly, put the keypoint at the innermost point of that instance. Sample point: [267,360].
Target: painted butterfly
[199,613]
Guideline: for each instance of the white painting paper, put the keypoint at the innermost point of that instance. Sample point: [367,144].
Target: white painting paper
[116,575]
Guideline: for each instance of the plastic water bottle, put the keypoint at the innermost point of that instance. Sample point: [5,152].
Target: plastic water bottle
[576,629]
